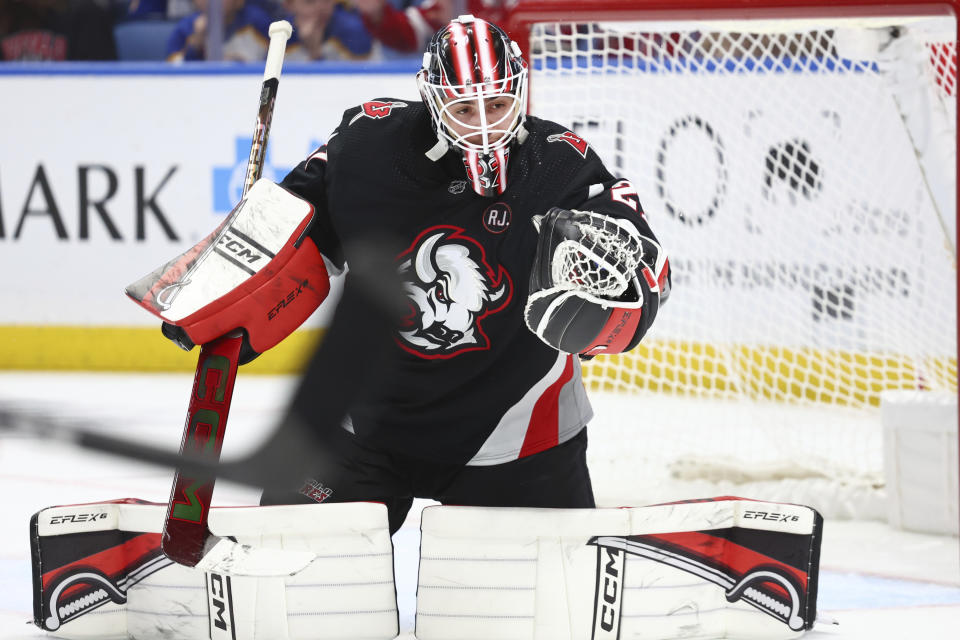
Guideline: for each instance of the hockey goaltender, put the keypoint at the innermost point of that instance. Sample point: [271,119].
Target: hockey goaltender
[486,252]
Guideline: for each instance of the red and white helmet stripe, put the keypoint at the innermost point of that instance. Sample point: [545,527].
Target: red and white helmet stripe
[474,171]
[483,44]
[501,155]
[462,57]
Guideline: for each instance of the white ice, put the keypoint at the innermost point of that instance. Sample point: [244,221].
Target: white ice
[877,582]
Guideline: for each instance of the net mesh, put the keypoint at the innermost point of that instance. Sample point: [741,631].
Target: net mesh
[603,259]
[943,68]
[811,250]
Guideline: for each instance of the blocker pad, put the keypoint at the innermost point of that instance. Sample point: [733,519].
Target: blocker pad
[258,271]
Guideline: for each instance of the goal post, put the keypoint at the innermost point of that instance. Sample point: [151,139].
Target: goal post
[798,163]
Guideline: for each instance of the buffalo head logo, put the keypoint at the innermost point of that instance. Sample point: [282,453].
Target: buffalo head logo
[452,289]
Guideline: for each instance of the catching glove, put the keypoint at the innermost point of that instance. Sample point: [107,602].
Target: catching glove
[596,283]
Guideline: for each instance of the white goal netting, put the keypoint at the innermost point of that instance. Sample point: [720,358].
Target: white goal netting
[801,176]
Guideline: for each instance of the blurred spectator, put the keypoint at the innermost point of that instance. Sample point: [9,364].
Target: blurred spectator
[246,30]
[137,9]
[493,10]
[407,26]
[275,8]
[56,30]
[326,30]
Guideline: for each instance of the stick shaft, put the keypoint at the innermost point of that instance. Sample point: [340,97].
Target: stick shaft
[185,532]
[279,33]
[185,528]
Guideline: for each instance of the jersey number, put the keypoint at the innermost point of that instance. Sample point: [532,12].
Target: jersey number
[624,193]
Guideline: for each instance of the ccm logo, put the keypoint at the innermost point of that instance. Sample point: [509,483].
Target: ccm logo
[608,597]
[220,600]
[286,301]
[610,592]
[766,515]
[244,251]
[78,517]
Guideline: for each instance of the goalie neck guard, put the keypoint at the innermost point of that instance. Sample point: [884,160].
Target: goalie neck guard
[474,83]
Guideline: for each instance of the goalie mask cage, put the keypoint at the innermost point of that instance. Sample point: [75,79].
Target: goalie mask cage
[798,164]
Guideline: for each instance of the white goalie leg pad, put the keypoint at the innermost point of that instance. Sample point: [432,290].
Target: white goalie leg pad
[345,591]
[724,568]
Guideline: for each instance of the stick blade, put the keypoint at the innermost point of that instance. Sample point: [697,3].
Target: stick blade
[186,543]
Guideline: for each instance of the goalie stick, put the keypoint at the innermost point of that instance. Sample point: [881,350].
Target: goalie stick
[186,537]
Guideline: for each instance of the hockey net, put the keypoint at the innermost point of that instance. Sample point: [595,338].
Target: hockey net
[799,168]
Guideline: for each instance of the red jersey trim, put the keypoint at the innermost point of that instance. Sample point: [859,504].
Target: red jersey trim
[543,430]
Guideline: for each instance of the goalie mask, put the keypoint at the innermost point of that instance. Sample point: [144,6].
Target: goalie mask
[474,82]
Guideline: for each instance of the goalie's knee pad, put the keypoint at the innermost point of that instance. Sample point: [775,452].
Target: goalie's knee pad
[259,272]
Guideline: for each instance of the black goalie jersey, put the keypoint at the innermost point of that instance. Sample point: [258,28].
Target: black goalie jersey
[473,385]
